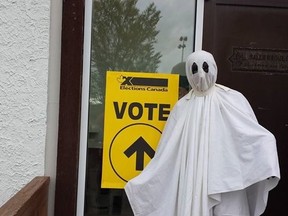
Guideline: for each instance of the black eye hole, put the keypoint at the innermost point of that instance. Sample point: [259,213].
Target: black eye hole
[194,68]
[205,67]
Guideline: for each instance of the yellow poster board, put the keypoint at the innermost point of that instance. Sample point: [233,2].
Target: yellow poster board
[137,106]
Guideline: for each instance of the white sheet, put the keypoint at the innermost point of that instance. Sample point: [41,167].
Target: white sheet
[213,157]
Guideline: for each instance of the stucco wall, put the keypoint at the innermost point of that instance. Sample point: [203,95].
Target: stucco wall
[24,50]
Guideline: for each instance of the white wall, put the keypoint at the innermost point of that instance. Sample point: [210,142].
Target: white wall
[24,52]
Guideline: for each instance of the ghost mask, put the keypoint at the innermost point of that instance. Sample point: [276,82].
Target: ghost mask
[201,71]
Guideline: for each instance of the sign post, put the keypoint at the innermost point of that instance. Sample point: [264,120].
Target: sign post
[137,106]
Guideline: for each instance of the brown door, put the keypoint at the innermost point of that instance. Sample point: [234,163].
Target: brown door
[249,40]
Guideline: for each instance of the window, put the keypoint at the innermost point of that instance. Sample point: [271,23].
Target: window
[127,35]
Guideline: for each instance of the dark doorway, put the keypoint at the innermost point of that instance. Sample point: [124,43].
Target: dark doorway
[249,40]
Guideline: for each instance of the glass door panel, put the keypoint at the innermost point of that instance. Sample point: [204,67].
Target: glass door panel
[129,35]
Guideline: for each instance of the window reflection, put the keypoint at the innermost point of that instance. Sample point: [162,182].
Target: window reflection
[129,35]
[123,38]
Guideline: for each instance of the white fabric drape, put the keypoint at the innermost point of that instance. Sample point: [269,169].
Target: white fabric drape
[213,158]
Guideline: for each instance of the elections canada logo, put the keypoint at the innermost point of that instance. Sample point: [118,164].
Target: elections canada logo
[143,83]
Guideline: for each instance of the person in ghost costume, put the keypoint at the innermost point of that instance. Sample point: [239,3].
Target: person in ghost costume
[213,158]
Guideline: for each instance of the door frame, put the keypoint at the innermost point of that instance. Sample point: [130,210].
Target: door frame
[84,108]
[69,107]
[74,102]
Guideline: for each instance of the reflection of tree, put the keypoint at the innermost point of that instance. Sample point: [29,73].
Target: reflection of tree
[123,38]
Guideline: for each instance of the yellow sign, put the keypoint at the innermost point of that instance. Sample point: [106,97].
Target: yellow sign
[137,106]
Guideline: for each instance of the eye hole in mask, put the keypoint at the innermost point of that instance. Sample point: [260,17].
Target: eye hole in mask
[205,67]
[194,68]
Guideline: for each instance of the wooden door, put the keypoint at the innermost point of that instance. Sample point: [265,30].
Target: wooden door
[249,40]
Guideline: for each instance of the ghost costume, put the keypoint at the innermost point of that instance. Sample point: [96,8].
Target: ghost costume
[213,158]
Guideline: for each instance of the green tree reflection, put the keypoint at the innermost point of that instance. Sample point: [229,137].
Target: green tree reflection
[123,39]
